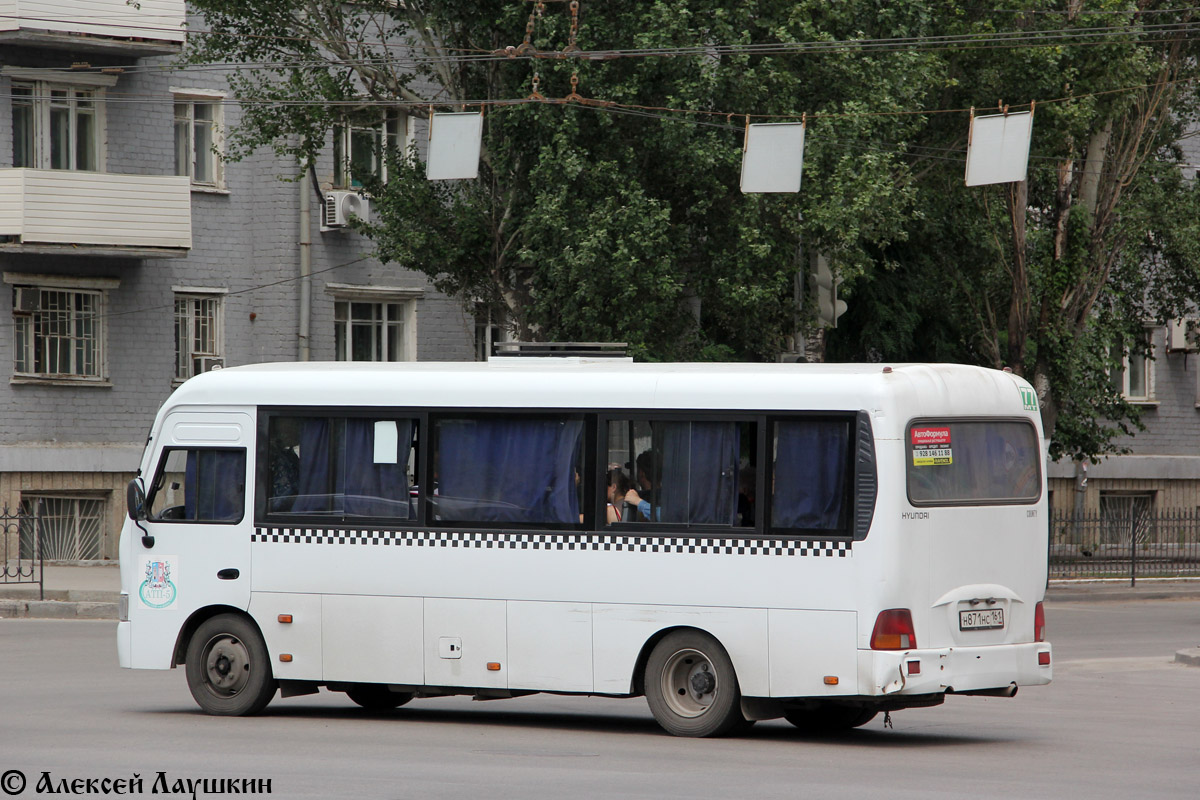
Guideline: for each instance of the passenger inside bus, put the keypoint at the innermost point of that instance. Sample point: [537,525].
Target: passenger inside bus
[618,488]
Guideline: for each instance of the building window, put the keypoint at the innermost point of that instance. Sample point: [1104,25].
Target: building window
[366,331]
[69,528]
[56,126]
[58,332]
[199,343]
[1126,517]
[490,328]
[1134,378]
[359,148]
[197,140]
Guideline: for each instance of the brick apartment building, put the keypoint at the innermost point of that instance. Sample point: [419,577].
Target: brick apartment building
[133,258]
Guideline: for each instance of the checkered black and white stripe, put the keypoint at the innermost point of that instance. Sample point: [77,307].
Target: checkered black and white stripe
[555,541]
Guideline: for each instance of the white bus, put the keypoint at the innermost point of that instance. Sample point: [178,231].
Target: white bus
[815,542]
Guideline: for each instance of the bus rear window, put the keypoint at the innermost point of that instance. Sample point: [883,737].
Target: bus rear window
[978,462]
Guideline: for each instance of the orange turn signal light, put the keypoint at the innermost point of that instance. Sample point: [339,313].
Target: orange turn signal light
[493,666]
[831,680]
[285,618]
[285,657]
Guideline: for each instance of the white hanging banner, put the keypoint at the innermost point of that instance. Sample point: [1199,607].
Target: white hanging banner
[998,148]
[773,158]
[454,143]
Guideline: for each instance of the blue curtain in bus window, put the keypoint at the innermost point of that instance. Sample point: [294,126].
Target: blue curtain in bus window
[214,484]
[699,472]
[371,489]
[810,474]
[509,470]
[313,489]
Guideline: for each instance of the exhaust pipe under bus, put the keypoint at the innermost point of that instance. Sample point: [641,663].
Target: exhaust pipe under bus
[1003,691]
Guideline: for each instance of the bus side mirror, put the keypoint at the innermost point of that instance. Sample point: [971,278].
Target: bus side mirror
[135,500]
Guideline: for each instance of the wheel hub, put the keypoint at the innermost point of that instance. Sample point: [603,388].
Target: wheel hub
[703,683]
[688,683]
[226,665]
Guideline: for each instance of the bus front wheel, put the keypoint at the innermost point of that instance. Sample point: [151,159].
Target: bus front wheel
[228,668]
[691,687]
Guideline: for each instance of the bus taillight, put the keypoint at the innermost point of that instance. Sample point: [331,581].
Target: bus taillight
[1039,622]
[894,630]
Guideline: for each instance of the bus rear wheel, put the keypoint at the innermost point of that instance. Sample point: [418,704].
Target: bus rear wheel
[830,718]
[228,668]
[691,687]
[377,696]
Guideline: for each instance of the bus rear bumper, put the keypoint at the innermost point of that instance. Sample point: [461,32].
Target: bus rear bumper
[954,669]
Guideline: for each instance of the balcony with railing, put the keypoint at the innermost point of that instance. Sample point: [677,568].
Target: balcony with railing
[147,27]
[96,213]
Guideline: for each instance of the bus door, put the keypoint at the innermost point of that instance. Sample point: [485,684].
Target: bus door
[194,550]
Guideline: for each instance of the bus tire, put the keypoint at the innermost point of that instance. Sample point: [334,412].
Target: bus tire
[830,718]
[377,696]
[691,687]
[228,667]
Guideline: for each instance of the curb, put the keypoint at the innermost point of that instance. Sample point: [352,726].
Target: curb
[1189,658]
[56,609]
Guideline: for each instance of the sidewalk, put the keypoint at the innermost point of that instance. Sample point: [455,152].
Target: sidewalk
[71,592]
[91,592]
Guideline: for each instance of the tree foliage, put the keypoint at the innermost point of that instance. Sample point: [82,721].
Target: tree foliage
[591,222]
[1057,276]
[586,223]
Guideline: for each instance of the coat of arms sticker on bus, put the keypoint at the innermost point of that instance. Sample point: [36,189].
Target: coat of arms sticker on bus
[159,574]
[931,446]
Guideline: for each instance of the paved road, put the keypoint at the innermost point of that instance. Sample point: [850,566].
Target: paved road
[1120,721]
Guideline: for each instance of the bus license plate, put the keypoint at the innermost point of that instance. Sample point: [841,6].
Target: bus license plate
[981,620]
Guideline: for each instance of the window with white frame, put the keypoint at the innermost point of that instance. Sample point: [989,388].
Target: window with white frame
[198,139]
[490,328]
[199,339]
[59,331]
[57,126]
[360,144]
[372,331]
[1134,378]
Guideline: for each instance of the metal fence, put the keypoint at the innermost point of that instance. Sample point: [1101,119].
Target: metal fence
[1138,543]
[21,545]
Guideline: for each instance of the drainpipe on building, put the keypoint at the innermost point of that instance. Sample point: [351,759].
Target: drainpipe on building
[305,267]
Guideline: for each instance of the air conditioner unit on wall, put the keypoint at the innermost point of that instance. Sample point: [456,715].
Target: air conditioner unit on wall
[202,364]
[340,206]
[26,299]
[1183,336]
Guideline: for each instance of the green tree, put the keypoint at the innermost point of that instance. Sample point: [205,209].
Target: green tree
[1055,276]
[589,222]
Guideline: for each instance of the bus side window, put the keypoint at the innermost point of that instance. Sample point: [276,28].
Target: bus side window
[682,472]
[341,466]
[810,475]
[519,470]
[199,485]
